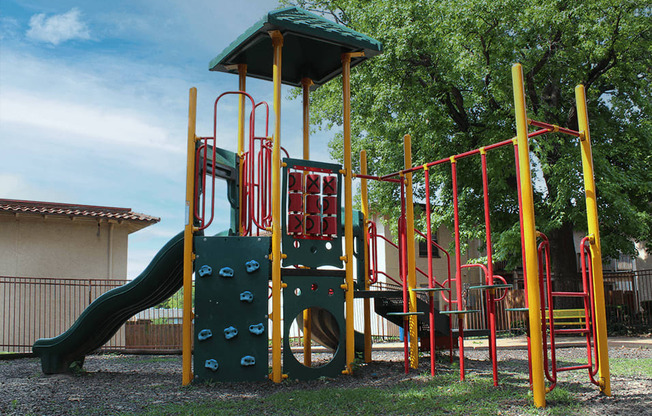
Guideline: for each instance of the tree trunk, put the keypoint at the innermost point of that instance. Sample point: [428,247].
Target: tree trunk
[564,266]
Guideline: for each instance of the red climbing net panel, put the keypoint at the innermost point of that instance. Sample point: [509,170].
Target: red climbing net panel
[312,203]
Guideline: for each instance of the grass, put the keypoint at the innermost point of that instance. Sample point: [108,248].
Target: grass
[626,367]
[441,395]
[423,395]
[641,367]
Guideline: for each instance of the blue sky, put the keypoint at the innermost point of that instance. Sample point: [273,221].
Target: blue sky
[94,102]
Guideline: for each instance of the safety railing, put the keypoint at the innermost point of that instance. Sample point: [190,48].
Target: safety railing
[204,144]
[255,212]
[374,269]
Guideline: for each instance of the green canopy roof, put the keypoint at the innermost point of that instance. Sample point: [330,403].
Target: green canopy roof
[312,48]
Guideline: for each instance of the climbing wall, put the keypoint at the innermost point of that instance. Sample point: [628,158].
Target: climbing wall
[230,326]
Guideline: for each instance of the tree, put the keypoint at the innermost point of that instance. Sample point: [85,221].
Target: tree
[445,78]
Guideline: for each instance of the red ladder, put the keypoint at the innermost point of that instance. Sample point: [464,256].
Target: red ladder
[547,313]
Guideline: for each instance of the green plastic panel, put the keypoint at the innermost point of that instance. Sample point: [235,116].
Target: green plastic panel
[310,252]
[304,292]
[229,293]
[312,47]
[358,248]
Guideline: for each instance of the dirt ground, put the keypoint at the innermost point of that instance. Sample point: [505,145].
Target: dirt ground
[113,384]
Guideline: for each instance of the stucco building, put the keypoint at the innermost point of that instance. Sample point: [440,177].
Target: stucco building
[55,259]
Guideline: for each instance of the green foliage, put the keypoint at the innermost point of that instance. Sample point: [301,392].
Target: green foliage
[175,301]
[77,368]
[445,78]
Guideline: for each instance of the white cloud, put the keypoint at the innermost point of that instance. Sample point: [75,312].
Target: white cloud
[83,122]
[8,27]
[58,28]
[14,186]
[78,106]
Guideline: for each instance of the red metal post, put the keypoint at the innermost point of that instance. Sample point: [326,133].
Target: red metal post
[491,305]
[403,273]
[431,296]
[458,267]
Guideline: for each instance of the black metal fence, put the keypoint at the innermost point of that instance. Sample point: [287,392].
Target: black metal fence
[33,308]
[628,299]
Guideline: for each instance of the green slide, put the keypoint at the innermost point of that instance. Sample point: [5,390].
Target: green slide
[101,320]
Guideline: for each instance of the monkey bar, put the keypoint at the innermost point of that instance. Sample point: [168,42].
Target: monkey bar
[489,284]
[533,258]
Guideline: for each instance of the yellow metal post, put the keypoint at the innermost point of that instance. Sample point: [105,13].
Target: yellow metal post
[186,358]
[306,83]
[411,261]
[348,208]
[276,376]
[365,219]
[594,231]
[242,86]
[307,313]
[529,232]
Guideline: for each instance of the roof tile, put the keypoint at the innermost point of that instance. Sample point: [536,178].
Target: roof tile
[73,210]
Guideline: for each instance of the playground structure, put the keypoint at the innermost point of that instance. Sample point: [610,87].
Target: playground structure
[292,223]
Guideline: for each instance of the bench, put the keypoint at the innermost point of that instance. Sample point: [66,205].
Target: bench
[567,317]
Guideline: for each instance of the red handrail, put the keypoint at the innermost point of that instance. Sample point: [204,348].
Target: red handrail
[373,236]
[261,199]
[448,256]
[589,308]
[202,150]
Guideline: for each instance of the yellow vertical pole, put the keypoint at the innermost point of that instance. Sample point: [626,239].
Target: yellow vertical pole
[306,83]
[186,357]
[411,261]
[348,208]
[242,86]
[365,218]
[307,313]
[529,232]
[594,231]
[276,376]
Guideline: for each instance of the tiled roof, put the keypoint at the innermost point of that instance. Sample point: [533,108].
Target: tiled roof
[74,210]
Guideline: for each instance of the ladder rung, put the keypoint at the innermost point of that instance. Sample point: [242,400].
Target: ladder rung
[571,331]
[570,294]
[576,367]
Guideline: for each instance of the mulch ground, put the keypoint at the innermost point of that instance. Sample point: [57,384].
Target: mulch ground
[113,384]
